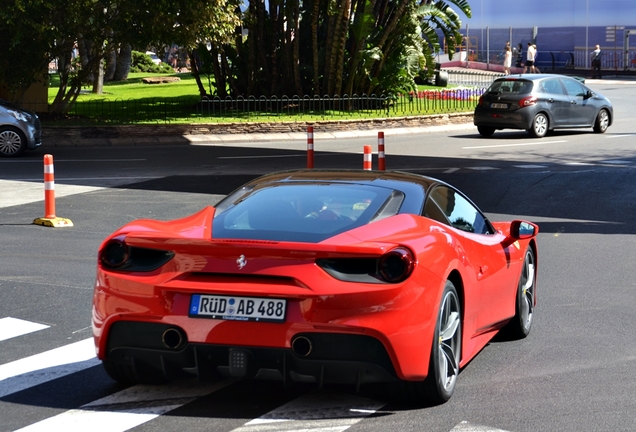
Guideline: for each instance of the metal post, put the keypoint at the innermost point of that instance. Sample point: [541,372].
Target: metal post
[626,48]
[487,47]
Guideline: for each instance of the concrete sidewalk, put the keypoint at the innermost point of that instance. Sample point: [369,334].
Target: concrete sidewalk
[226,133]
[216,139]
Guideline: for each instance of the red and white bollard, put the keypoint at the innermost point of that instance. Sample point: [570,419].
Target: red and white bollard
[49,187]
[381,155]
[310,146]
[367,163]
[49,218]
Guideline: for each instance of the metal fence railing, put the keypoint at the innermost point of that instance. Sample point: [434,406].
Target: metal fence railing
[471,77]
[613,58]
[192,109]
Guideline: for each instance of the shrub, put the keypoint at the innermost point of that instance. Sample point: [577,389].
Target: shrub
[141,62]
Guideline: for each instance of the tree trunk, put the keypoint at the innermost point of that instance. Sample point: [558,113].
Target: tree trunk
[314,46]
[111,65]
[124,62]
[276,35]
[338,49]
[344,33]
[194,70]
[296,49]
[219,75]
[263,65]
[98,82]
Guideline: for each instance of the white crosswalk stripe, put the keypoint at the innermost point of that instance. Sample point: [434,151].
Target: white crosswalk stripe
[315,413]
[40,368]
[126,409]
[14,327]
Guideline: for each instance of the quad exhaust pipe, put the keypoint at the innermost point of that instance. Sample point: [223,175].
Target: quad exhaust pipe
[301,346]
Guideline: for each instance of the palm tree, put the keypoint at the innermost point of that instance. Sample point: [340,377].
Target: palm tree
[338,46]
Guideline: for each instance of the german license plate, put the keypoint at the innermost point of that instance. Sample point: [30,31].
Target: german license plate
[238,308]
[498,105]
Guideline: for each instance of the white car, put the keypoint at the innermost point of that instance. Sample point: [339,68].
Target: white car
[154,57]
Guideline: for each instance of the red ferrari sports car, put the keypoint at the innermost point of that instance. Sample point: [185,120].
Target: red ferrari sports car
[316,276]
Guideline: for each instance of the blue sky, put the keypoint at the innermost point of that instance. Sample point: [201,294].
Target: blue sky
[551,13]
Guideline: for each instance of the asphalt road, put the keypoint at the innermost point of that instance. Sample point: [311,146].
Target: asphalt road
[576,371]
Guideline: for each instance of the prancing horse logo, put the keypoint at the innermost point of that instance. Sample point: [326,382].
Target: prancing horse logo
[241,262]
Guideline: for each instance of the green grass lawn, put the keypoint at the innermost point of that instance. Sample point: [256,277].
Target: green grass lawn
[133,101]
[134,88]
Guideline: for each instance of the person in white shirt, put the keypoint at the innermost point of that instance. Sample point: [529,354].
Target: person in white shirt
[531,54]
[507,63]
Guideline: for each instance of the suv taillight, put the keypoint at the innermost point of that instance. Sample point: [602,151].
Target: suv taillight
[528,101]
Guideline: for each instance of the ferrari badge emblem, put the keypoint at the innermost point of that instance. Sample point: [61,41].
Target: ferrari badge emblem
[241,262]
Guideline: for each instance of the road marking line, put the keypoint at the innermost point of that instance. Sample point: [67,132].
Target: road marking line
[14,327]
[316,413]
[127,409]
[616,162]
[482,168]
[515,145]
[468,427]
[49,365]
[619,136]
[261,157]
[16,192]
[69,179]
[530,166]
[71,160]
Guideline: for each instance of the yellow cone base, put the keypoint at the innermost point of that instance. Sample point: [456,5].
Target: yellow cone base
[56,222]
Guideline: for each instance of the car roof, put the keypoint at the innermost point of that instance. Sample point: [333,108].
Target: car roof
[349,176]
[415,187]
[532,77]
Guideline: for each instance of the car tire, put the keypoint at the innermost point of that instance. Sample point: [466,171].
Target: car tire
[130,375]
[520,325]
[602,121]
[539,126]
[12,142]
[485,131]
[439,385]
[446,351]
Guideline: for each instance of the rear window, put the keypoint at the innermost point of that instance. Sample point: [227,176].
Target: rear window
[515,86]
[302,212]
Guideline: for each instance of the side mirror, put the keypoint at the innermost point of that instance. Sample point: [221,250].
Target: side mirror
[589,94]
[523,230]
[520,230]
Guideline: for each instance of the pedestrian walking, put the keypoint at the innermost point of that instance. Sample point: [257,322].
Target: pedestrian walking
[507,63]
[519,61]
[530,55]
[596,56]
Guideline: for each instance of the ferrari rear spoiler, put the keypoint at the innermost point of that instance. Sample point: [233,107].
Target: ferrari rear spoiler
[279,249]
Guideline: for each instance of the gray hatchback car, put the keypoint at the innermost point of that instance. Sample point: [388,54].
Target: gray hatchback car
[20,129]
[540,103]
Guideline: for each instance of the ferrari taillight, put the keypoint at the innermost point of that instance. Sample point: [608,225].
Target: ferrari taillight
[396,265]
[117,255]
[114,254]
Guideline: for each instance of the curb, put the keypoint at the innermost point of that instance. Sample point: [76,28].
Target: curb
[222,133]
